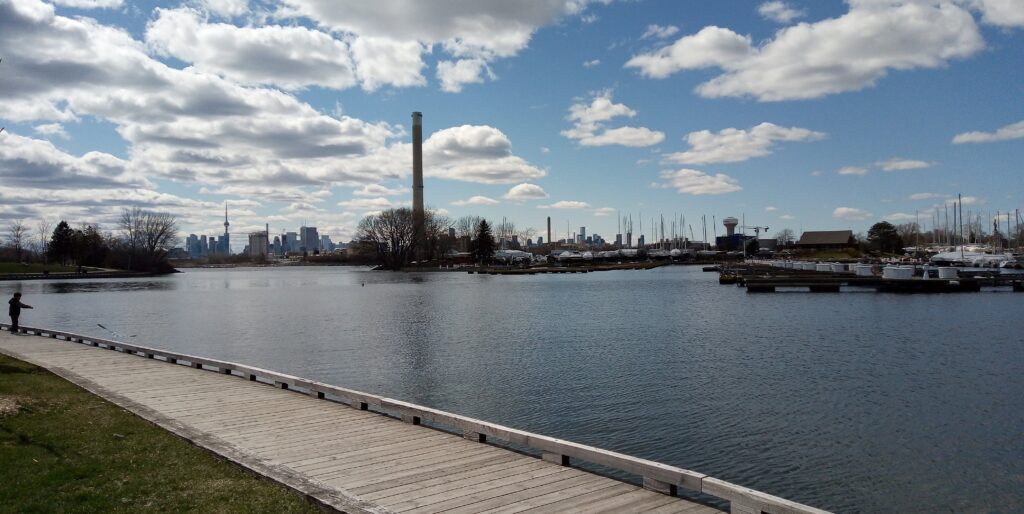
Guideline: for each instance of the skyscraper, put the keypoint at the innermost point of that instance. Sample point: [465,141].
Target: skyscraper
[310,239]
[224,245]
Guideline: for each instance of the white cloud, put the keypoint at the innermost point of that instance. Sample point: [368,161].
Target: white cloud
[545,150]
[711,47]
[1005,13]
[589,124]
[476,153]
[35,163]
[603,211]
[779,12]
[591,63]
[659,32]
[385,62]
[1012,131]
[853,170]
[850,213]
[476,200]
[90,4]
[453,75]
[771,209]
[926,196]
[965,200]
[393,36]
[288,57]
[51,129]
[898,164]
[524,192]
[589,18]
[226,8]
[696,182]
[378,203]
[787,217]
[900,216]
[810,60]
[736,145]
[566,204]
[379,190]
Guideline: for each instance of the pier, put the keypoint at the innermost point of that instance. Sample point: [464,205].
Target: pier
[358,452]
[759,278]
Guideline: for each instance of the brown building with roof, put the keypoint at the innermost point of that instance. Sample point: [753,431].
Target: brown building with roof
[826,239]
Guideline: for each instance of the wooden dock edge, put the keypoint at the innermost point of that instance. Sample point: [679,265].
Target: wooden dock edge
[326,498]
[656,476]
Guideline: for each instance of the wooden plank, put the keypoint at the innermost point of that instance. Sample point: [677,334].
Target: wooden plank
[638,500]
[538,496]
[684,508]
[457,483]
[462,460]
[510,464]
[583,502]
[365,477]
[470,495]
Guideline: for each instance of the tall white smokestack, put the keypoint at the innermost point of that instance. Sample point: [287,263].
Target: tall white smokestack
[417,180]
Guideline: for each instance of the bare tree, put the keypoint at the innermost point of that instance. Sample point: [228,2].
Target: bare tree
[43,227]
[392,235]
[148,235]
[466,226]
[785,237]
[908,232]
[526,234]
[17,236]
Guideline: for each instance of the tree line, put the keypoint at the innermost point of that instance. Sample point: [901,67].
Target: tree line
[140,243]
[391,236]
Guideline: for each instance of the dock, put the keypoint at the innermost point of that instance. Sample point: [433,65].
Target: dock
[357,452]
[759,278]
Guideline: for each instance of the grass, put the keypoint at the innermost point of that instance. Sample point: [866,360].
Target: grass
[63,449]
[7,268]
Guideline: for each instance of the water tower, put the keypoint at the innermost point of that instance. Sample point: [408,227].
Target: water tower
[730,225]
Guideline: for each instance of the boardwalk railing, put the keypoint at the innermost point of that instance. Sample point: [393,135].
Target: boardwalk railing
[656,476]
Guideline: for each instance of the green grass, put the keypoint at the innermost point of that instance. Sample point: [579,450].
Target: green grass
[35,267]
[63,449]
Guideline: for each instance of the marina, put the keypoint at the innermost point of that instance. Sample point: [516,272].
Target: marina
[768,277]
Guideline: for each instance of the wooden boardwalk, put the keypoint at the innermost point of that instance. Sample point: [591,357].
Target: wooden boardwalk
[356,459]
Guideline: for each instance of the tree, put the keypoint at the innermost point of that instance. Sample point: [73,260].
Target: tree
[17,236]
[43,227]
[526,234]
[148,236]
[785,237]
[392,235]
[908,232]
[483,243]
[466,226]
[883,236]
[60,246]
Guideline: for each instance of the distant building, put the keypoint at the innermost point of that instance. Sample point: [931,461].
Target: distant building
[293,242]
[277,245]
[540,240]
[310,239]
[258,245]
[325,244]
[826,239]
[618,240]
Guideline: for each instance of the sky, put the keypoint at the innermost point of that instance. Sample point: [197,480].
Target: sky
[808,115]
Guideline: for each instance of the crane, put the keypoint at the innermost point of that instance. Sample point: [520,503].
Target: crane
[757,235]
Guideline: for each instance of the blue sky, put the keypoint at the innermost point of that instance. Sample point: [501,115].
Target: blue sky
[797,114]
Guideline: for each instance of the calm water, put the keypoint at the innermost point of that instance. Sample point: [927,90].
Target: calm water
[855,402]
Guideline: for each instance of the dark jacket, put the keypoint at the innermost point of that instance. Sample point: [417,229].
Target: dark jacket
[16,306]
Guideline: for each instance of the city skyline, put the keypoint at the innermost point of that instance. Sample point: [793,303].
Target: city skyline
[801,115]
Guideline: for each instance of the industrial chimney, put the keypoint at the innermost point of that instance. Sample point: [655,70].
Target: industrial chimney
[417,181]
[549,230]
[730,225]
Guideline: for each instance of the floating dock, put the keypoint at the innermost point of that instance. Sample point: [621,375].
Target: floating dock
[357,452]
[758,278]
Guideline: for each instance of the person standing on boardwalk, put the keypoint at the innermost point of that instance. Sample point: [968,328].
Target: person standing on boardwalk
[15,311]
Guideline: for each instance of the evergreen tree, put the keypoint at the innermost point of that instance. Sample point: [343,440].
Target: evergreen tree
[483,244]
[61,243]
[884,237]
